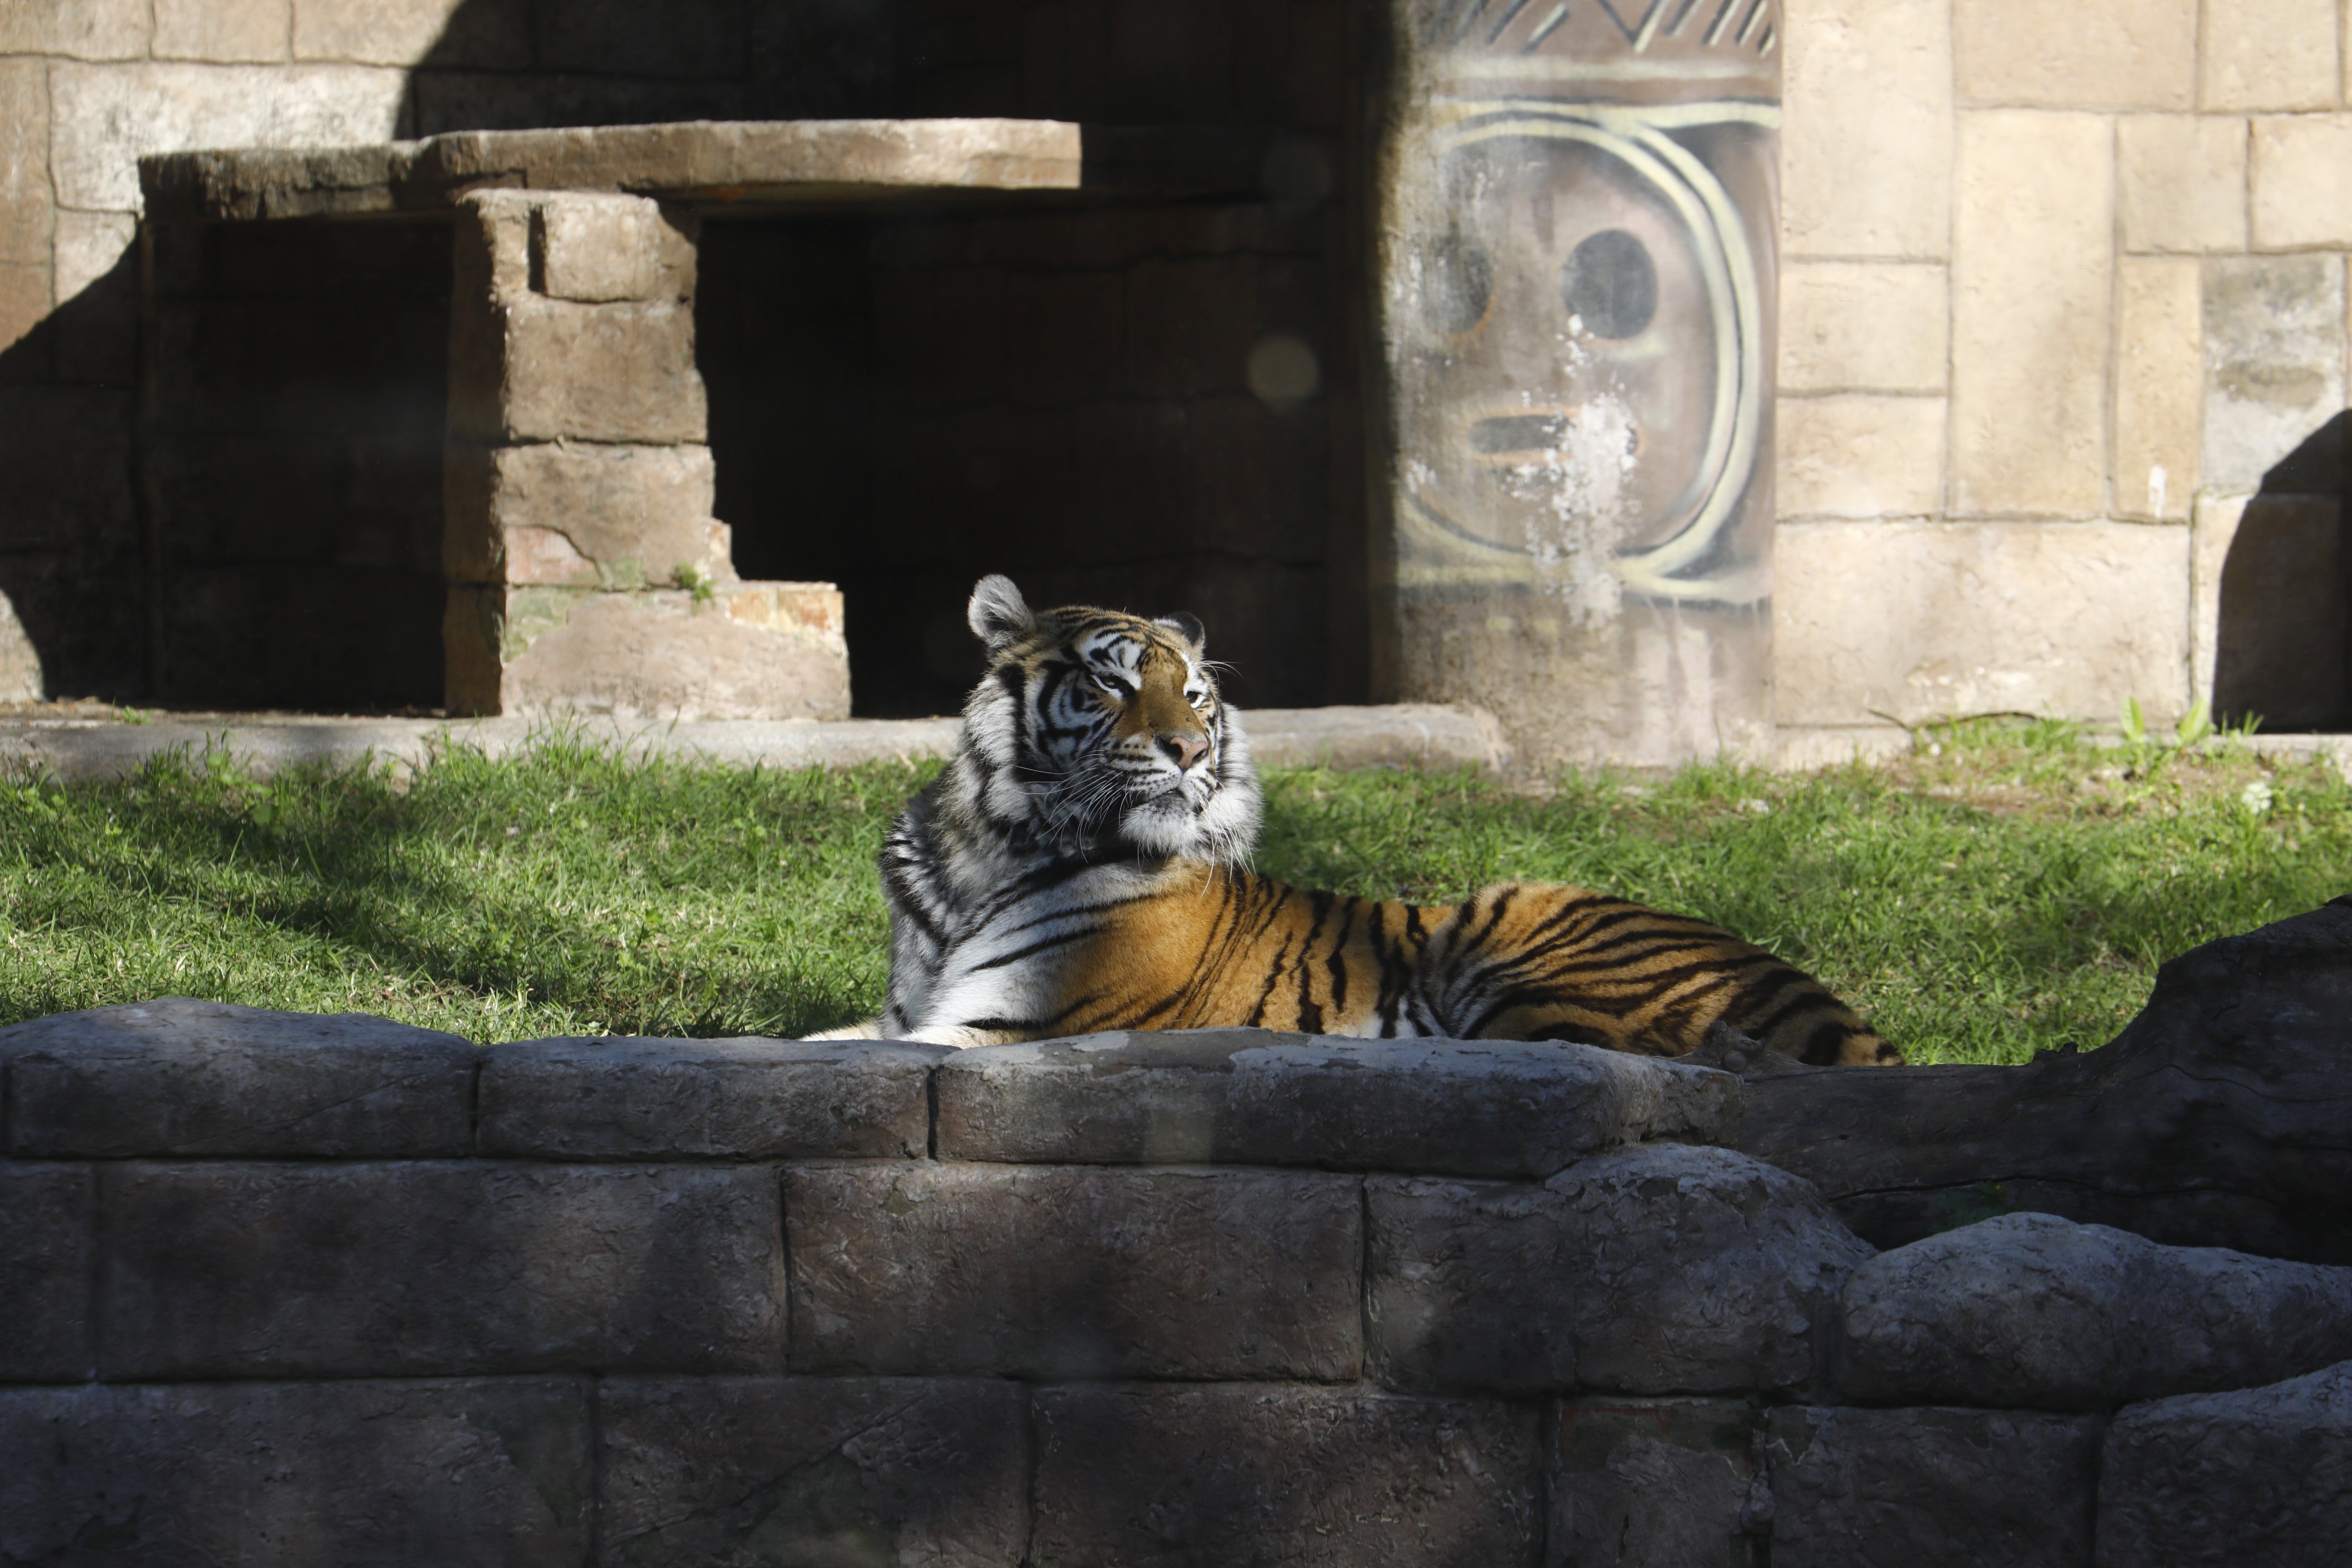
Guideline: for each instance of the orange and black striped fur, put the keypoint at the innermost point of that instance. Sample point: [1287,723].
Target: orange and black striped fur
[1079,866]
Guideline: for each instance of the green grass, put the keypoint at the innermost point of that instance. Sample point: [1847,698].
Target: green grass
[2013,893]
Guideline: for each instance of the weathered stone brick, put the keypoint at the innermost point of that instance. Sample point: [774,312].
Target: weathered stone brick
[2273,360]
[597,247]
[755,650]
[367,1474]
[25,204]
[1930,1488]
[632,515]
[1660,1269]
[1865,327]
[2104,54]
[754,1470]
[2180,182]
[178,1076]
[597,373]
[462,32]
[45,1265]
[1069,1271]
[744,1099]
[224,31]
[23,303]
[2214,1480]
[2300,181]
[423,1267]
[1279,1475]
[2267,53]
[2032,277]
[1653,1483]
[1253,1097]
[1925,620]
[2159,388]
[79,30]
[2034,1311]
[1867,146]
[1859,455]
[107,116]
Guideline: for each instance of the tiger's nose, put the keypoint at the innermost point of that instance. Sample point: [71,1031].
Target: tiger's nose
[1186,749]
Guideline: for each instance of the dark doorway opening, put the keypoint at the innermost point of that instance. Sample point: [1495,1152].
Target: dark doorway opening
[2282,647]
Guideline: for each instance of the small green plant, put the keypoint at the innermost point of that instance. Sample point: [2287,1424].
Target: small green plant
[697,581]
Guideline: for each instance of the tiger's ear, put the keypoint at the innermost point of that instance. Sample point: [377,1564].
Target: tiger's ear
[999,614]
[1185,625]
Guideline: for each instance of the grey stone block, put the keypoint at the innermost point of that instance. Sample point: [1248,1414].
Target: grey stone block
[2262,1476]
[595,247]
[744,1099]
[1658,1483]
[1256,1096]
[48,1216]
[1661,1269]
[178,1076]
[1073,1272]
[361,1269]
[361,1475]
[1923,1488]
[749,1472]
[1273,1475]
[2032,1309]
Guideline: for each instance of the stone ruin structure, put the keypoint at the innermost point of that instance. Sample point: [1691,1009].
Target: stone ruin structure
[1960,356]
[292,1289]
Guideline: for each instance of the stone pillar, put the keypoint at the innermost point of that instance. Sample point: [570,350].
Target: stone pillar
[1577,301]
[585,571]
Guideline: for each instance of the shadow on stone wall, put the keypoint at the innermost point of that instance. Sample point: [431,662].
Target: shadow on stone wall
[70,558]
[2282,648]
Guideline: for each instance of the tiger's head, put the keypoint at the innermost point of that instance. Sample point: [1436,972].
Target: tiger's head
[1096,731]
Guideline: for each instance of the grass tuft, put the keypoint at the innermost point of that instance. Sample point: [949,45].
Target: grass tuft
[2008,888]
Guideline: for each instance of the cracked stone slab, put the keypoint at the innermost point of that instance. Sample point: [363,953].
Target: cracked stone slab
[1654,1483]
[1073,1271]
[361,1475]
[181,1076]
[1256,1097]
[50,1215]
[426,1267]
[751,1472]
[1930,1488]
[2030,1310]
[1273,1474]
[1665,1268]
[2259,1476]
[741,1099]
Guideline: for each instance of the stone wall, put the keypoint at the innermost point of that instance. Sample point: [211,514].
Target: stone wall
[2062,360]
[287,1289]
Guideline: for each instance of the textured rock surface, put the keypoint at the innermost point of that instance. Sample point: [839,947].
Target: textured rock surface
[1661,1269]
[1922,1489]
[362,1475]
[2034,1311]
[733,1472]
[744,1099]
[2262,1476]
[2216,1118]
[47,1214]
[178,1076]
[260,1270]
[1074,1272]
[1280,1475]
[1654,1483]
[1248,1097]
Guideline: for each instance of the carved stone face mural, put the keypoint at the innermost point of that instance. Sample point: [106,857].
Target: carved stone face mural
[1577,280]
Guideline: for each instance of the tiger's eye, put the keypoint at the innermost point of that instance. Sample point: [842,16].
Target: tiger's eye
[1610,283]
[1456,281]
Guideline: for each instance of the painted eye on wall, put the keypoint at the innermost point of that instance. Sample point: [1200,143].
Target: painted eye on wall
[1456,281]
[1610,282]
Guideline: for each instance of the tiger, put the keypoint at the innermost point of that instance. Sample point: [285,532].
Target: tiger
[1081,865]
